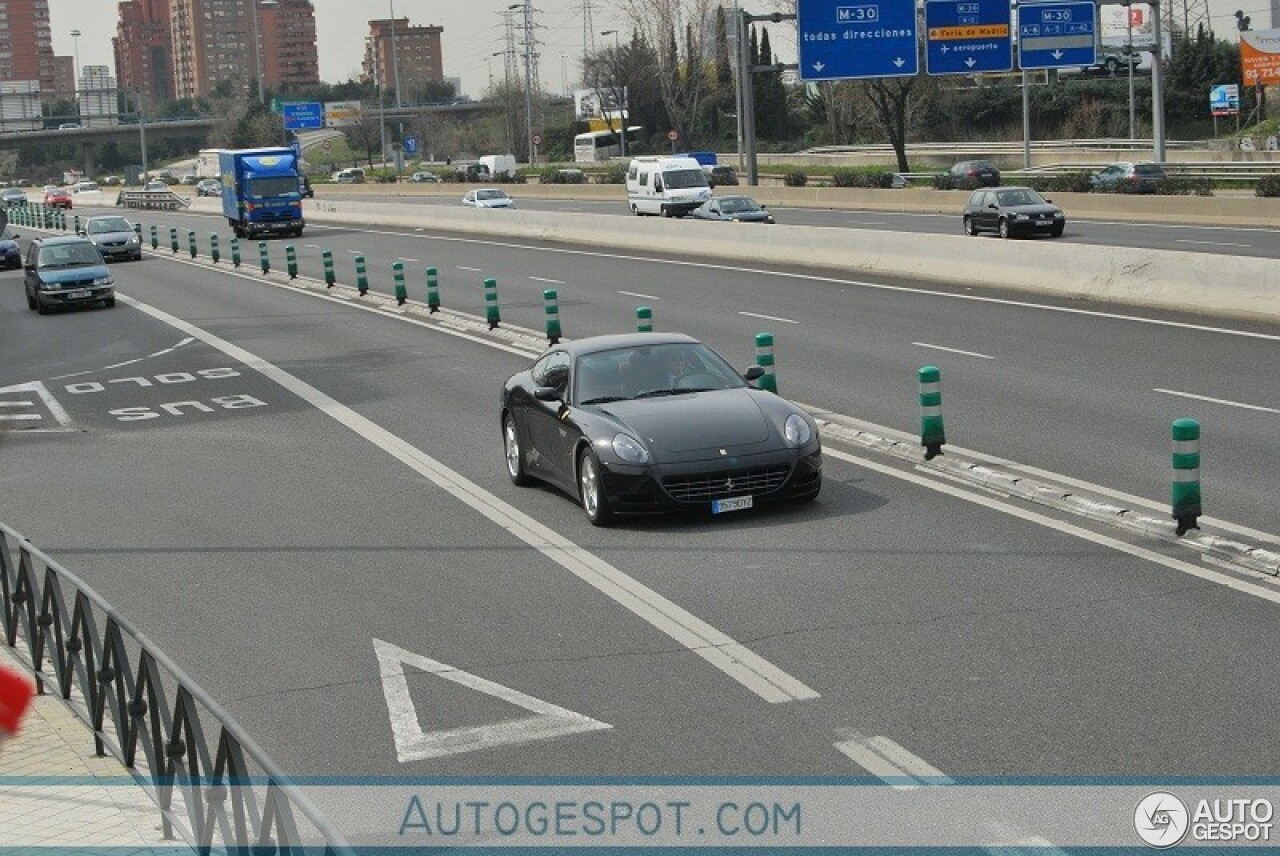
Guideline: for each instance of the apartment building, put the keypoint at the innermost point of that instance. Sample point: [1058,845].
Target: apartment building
[416,58]
[143,47]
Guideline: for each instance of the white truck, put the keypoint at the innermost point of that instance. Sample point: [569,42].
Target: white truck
[669,186]
[208,163]
[499,165]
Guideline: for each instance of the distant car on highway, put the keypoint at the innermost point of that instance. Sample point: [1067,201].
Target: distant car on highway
[155,186]
[209,187]
[1129,177]
[738,209]
[488,198]
[425,177]
[1012,212]
[10,255]
[974,173]
[57,198]
[66,270]
[11,196]
[649,422]
[114,237]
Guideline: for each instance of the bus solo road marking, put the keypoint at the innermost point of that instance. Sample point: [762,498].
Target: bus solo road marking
[175,408]
[168,378]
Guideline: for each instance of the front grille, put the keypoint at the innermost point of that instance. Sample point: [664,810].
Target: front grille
[75,283]
[704,487]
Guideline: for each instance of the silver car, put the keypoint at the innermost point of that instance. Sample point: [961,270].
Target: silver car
[114,237]
[488,198]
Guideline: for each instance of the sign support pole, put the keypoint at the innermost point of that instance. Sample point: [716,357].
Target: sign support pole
[1157,84]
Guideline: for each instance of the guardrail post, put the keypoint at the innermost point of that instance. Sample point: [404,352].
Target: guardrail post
[397,273]
[213,247]
[1186,474]
[62,220]
[291,260]
[553,315]
[644,319]
[329,277]
[235,252]
[155,238]
[764,359]
[191,243]
[137,231]
[491,303]
[264,257]
[433,290]
[932,433]
[362,276]
[173,238]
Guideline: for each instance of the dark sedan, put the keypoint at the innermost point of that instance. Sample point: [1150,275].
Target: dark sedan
[739,209]
[974,173]
[10,255]
[652,422]
[1012,211]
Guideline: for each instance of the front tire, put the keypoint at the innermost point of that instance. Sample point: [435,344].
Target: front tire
[1057,231]
[1004,229]
[109,302]
[514,454]
[969,228]
[666,212]
[591,490]
[42,307]
[31,302]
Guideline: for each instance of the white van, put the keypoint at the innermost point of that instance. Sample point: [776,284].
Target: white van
[504,165]
[350,175]
[669,186]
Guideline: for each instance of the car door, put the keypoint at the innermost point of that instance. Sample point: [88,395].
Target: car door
[546,421]
[988,211]
[31,279]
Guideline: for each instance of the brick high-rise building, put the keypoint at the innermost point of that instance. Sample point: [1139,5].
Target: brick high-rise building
[26,43]
[416,56]
[144,48]
[289,44]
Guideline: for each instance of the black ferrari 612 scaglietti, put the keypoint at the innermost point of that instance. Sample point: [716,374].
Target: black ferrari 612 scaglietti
[652,422]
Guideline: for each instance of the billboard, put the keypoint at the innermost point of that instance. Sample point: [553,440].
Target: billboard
[1119,21]
[340,113]
[1260,57]
[1224,100]
[591,104]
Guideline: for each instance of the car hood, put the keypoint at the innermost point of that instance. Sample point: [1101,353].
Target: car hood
[1033,209]
[8,246]
[102,237]
[690,422]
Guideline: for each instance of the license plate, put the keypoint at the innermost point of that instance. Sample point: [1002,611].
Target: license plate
[736,503]
[77,294]
[1044,222]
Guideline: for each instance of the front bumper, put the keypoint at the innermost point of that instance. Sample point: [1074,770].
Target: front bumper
[77,296]
[767,477]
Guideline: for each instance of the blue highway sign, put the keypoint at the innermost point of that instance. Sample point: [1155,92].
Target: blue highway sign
[967,36]
[1056,35]
[849,39]
[300,115]
[410,145]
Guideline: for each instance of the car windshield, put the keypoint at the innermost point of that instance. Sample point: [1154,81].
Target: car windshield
[107,224]
[490,194]
[738,205]
[682,178]
[279,185]
[1020,197]
[69,255]
[649,371]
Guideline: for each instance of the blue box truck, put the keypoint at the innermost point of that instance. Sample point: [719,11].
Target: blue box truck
[261,192]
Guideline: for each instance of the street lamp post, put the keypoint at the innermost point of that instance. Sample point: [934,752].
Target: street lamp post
[617,62]
[75,72]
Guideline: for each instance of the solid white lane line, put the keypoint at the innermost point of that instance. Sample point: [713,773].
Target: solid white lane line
[953,350]
[1241,586]
[769,317]
[17,404]
[866,222]
[1210,243]
[544,279]
[912,764]
[888,761]
[1217,400]
[735,660]
[638,294]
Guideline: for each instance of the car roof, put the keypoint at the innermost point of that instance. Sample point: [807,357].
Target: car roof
[613,341]
[59,240]
[106,217]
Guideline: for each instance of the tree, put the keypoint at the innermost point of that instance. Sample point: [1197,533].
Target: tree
[365,133]
[890,98]
[681,77]
[772,119]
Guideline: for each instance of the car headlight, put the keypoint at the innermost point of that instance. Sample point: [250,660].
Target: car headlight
[629,449]
[134,241]
[797,430]
[1058,215]
[102,280]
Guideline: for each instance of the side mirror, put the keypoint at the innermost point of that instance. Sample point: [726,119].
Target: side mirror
[546,393]
[994,207]
[753,372]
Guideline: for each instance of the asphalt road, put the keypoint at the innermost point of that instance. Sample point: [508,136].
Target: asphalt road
[279,486]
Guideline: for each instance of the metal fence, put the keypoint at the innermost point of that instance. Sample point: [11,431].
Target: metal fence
[213,786]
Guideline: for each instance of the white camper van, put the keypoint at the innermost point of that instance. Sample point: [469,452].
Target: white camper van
[670,186]
[500,165]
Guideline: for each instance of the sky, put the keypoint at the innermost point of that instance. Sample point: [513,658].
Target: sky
[473,31]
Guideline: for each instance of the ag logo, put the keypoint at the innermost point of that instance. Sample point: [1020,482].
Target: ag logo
[1160,819]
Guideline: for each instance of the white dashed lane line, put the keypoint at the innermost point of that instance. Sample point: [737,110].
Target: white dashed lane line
[638,294]
[953,350]
[1228,403]
[769,317]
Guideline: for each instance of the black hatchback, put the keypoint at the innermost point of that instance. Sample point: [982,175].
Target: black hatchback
[1012,211]
[974,173]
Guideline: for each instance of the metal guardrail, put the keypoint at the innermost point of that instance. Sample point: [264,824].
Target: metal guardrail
[160,199]
[222,792]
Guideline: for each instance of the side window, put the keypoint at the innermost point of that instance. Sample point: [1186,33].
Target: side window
[635,171]
[644,179]
[552,370]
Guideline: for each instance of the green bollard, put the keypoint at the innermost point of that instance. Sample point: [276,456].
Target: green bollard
[173,239]
[644,319]
[191,244]
[397,273]
[932,435]
[155,238]
[264,259]
[235,252]
[553,315]
[213,247]
[764,359]
[62,220]
[1186,474]
[76,221]
[137,231]
[362,276]
[291,260]
[329,277]
[433,290]
[491,303]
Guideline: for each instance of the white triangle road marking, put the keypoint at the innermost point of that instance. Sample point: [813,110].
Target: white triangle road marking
[413,744]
